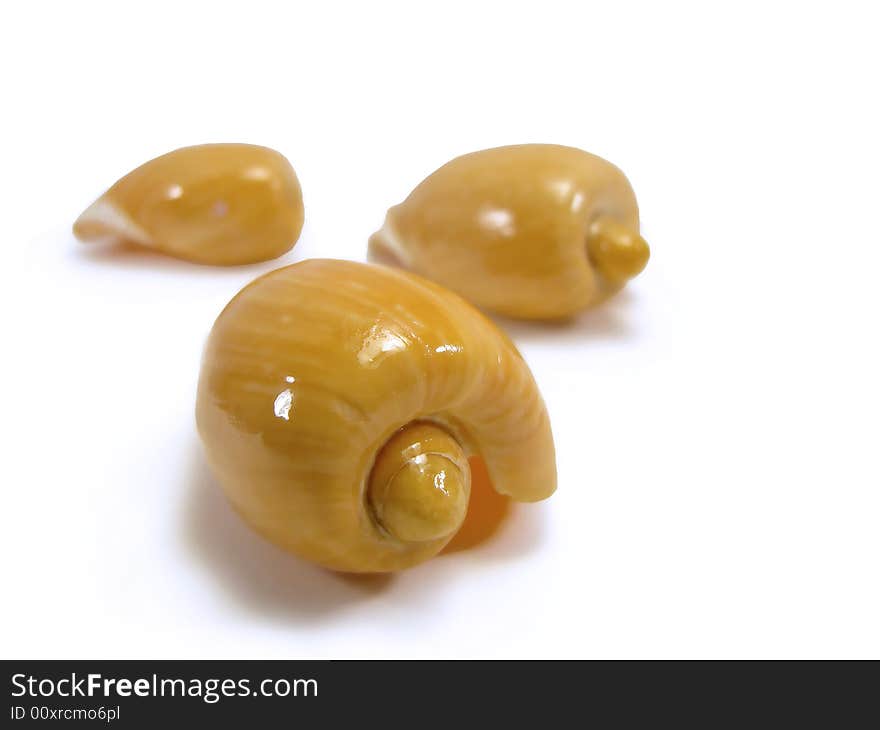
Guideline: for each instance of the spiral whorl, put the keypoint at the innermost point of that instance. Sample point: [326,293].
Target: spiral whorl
[420,484]
[618,252]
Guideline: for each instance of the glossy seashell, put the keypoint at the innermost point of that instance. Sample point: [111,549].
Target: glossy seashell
[220,204]
[341,406]
[532,231]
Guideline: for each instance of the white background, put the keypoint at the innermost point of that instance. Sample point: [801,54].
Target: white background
[716,425]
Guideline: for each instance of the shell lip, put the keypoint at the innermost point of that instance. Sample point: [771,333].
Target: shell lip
[386,246]
[105,221]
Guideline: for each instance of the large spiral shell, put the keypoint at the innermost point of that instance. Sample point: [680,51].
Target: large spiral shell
[339,402]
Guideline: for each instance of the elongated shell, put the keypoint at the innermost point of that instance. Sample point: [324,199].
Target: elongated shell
[338,404]
[213,204]
[533,231]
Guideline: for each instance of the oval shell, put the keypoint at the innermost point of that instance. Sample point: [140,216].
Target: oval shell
[532,231]
[314,369]
[220,204]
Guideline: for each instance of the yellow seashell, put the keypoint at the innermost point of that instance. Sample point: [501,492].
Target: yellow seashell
[532,231]
[339,404]
[218,204]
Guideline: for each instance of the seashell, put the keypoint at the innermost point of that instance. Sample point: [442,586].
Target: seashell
[533,231]
[341,404]
[221,204]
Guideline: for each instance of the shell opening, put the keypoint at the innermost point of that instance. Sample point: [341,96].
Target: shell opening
[106,221]
[385,247]
[616,251]
[419,487]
